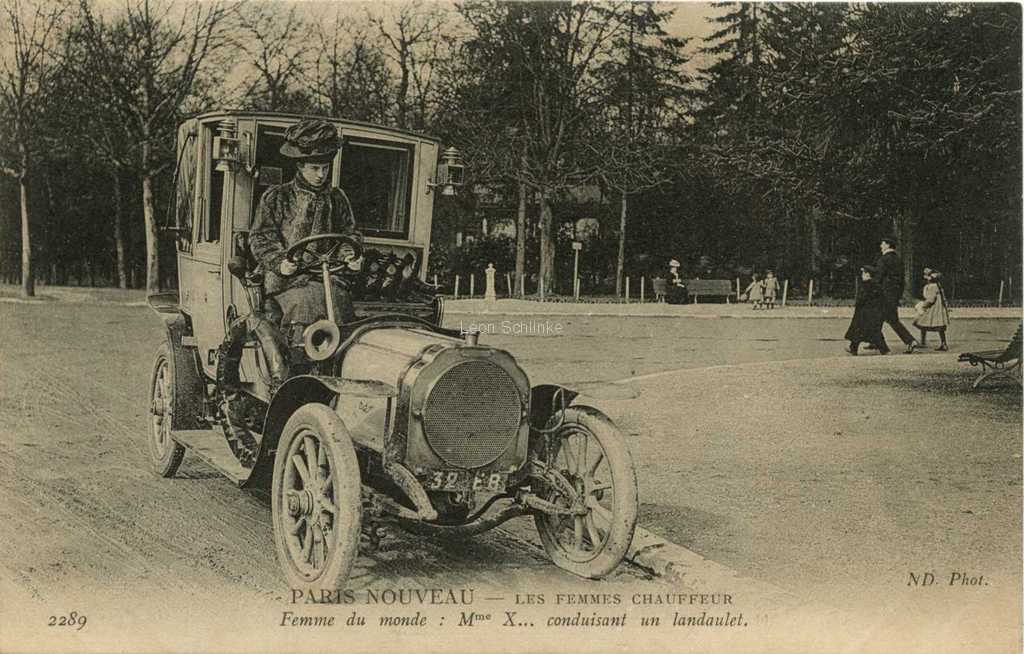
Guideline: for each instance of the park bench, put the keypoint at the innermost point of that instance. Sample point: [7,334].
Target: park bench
[998,363]
[660,287]
[710,287]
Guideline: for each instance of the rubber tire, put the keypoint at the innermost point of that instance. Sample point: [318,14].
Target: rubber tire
[341,454]
[165,465]
[626,502]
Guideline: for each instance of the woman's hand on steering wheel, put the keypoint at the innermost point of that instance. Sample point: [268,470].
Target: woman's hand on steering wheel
[343,253]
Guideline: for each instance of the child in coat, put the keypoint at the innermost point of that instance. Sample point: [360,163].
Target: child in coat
[755,292]
[932,312]
[868,312]
[771,289]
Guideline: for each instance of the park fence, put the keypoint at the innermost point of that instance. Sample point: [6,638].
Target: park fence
[647,289]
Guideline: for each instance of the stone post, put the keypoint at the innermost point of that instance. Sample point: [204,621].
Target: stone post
[490,295]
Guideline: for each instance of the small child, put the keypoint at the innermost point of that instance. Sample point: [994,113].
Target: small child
[932,313]
[771,289]
[755,292]
[866,325]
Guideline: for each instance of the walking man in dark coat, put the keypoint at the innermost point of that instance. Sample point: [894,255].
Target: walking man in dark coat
[890,270]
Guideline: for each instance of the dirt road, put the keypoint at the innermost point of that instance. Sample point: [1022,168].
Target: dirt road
[87,512]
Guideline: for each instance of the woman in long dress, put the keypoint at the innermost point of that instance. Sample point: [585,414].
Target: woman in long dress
[868,312]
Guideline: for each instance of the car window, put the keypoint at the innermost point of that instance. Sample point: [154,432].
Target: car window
[211,227]
[272,167]
[186,183]
[377,177]
[212,193]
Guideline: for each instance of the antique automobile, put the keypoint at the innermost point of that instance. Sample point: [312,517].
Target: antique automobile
[390,417]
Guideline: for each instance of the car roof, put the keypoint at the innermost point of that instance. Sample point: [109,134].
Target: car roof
[242,113]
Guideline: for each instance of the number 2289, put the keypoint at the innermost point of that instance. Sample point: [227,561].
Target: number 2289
[73,619]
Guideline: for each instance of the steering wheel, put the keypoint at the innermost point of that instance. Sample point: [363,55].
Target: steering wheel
[341,249]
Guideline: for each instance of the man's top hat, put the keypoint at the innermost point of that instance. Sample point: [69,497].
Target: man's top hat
[311,140]
[890,239]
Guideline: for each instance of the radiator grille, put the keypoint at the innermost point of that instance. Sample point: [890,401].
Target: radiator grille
[472,414]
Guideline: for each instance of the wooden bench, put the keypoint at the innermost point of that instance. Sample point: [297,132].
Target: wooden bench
[998,363]
[660,287]
[710,287]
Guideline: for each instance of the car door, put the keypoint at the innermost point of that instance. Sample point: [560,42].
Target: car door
[207,261]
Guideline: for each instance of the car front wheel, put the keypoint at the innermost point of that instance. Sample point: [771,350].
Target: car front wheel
[592,480]
[315,500]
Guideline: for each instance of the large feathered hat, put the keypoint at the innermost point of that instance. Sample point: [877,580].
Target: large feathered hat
[311,140]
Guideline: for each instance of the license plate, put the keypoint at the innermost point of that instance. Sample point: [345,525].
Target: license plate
[464,480]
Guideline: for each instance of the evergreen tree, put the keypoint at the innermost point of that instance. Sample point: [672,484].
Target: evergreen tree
[645,92]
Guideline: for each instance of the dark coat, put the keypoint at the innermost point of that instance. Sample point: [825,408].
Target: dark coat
[890,270]
[866,326]
[290,212]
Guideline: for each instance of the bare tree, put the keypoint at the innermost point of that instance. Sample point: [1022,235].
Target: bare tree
[411,33]
[27,65]
[276,43]
[351,75]
[146,59]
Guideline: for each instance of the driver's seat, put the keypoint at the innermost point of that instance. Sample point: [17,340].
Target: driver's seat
[247,271]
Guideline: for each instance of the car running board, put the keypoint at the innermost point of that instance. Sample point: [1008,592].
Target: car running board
[210,446]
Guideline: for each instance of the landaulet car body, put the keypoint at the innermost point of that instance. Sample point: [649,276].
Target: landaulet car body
[391,416]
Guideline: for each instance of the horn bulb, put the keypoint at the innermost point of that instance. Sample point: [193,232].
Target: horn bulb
[321,340]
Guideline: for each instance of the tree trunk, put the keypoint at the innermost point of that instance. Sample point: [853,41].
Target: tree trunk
[814,261]
[28,284]
[904,228]
[620,259]
[152,241]
[122,271]
[814,254]
[521,240]
[403,86]
[547,244]
[48,232]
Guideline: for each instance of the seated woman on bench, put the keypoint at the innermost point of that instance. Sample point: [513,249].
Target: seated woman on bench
[676,292]
[289,212]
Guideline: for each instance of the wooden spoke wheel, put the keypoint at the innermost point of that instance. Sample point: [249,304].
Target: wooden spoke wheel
[595,485]
[316,504]
[165,454]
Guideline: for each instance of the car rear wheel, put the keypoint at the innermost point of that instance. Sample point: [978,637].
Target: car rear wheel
[596,487]
[315,500]
[165,454]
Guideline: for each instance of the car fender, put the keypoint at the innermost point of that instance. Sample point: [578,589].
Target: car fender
[546,399]
[189,388]
[294,393]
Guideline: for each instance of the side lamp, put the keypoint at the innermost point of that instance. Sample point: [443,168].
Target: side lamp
[226,150]
[450,173]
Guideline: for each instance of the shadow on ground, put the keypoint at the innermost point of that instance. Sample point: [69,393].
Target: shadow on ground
[1005,393]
